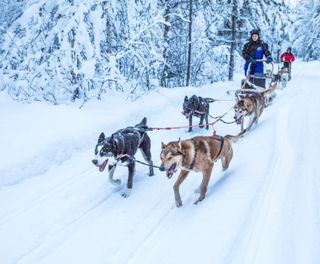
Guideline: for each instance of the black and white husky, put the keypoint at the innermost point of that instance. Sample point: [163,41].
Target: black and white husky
[120,148]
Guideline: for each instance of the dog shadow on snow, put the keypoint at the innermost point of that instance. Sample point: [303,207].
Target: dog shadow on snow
[261,123]
[221,181]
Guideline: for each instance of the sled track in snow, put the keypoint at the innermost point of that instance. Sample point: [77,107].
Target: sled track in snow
[65,231]
[40,200]
[252,230]
[272,192]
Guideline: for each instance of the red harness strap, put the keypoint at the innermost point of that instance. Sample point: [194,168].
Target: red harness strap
[213,130]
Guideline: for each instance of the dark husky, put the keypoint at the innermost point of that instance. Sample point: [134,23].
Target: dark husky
[196,154]
[197,106]
[120,148]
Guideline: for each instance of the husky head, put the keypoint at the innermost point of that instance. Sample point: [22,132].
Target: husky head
[190,105]
[241,109]
[171,157]
[103,151]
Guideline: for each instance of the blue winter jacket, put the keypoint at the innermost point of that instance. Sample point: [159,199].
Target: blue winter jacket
[255,50]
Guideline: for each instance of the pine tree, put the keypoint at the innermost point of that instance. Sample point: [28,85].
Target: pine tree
[10,10]
[189,44]
[307,30]
[234,18]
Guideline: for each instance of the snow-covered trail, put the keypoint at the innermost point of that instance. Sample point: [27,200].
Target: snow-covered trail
[264,209]
[284,227]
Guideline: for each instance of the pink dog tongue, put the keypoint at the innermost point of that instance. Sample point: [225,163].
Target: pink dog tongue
[103,165]
[239,121]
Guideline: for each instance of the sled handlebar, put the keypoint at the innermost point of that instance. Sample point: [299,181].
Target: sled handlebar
[260,60]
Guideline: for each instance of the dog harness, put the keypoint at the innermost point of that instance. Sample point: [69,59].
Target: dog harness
[200,106]
[221,146]
[221,138]
[119,138]
[194,157]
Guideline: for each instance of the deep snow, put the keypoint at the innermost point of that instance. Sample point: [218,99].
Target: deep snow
[56,207]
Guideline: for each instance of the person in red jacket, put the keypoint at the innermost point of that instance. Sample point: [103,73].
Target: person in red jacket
[287,57]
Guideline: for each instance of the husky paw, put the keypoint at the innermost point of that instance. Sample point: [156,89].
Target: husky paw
[116,182]
[126,193]
[199,200]
[178,203]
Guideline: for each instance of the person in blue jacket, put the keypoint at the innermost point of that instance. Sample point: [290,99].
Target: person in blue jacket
[254,50]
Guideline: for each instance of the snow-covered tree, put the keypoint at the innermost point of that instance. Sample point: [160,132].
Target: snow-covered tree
[306,31]
[10,10]
[75,50]
[61,50]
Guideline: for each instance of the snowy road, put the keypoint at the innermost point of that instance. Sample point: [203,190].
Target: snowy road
[264,209]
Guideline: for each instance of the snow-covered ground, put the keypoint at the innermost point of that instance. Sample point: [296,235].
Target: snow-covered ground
[56,207]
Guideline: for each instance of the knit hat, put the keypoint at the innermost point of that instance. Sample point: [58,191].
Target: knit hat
[255,31]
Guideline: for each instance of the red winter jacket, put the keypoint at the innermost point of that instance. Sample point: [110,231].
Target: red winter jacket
[286,56]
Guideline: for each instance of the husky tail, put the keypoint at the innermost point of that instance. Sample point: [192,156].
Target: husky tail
[233,139]
[143,123]
[272,87]
[209,100]
[142,126]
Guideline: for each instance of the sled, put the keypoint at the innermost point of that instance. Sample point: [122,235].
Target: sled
[256,84]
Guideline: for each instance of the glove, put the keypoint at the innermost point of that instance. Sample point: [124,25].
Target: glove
[252,60]
[269,60]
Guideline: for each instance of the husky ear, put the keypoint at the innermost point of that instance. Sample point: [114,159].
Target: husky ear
[101,138]
[163,145]
[179,143]
[186,98]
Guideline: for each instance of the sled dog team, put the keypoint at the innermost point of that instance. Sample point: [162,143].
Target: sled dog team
[196,154]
